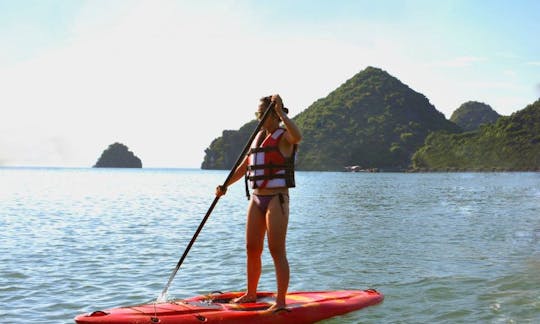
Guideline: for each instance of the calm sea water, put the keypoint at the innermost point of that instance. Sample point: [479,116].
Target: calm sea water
[444,248]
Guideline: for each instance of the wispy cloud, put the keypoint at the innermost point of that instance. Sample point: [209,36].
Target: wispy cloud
[493,85]
[507,55]
[510,73]
[459,62]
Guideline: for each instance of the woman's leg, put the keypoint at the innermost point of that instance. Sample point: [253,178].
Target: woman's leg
[255,230]
[277,219]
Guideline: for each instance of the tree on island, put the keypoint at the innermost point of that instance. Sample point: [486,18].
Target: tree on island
[118,155]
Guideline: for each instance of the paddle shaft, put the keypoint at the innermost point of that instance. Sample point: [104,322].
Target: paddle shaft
[201,225]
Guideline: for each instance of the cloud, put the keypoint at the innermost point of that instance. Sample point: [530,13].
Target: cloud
[459,62]
[510,73]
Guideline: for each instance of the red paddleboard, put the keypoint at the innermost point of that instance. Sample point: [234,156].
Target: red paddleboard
[302,307]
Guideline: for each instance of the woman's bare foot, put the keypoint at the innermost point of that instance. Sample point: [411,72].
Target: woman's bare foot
[277,308]
[244,299]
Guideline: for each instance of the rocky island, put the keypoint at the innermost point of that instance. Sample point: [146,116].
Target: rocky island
[118,155]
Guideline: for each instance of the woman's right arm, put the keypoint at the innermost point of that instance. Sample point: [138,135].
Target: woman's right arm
[237,175]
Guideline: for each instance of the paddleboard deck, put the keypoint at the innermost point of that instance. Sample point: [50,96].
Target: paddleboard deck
[302,307]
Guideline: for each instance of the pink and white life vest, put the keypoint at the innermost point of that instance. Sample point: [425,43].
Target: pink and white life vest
[267,167]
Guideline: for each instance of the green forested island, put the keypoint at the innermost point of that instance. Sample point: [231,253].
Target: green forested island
[470,115]
[223,151]
[373,120]
[510,144]
[117,155]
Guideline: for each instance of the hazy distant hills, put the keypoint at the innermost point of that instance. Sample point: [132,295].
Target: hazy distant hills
[470,115]
[373,120]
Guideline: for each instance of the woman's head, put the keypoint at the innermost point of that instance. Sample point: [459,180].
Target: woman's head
[264,102]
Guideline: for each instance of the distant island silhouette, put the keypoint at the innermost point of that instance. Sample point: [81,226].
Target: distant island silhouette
[117,155]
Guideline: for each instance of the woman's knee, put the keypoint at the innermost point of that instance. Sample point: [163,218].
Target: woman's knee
[254,249]
[277,251]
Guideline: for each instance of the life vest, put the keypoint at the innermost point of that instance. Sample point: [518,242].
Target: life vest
[267,167]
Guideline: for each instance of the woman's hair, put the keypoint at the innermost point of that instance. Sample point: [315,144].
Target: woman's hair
[265,101]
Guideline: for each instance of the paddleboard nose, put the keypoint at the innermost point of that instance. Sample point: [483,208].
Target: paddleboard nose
[90,317]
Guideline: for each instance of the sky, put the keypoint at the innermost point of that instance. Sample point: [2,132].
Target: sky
[166,78]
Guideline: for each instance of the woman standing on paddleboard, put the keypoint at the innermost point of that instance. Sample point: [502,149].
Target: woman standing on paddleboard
[269,168]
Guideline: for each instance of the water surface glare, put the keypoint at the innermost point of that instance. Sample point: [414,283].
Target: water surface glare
[444,248]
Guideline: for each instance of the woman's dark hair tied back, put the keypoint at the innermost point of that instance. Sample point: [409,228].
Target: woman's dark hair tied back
[266,102]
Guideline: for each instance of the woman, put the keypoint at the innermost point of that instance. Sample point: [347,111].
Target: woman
[270,171]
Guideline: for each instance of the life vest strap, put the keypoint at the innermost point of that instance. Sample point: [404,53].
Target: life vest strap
[263,149]
[268,176]
[269,166]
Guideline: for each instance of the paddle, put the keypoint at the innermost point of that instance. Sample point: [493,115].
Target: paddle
[162,296]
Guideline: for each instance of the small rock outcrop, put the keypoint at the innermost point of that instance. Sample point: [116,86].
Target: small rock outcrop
[118,155]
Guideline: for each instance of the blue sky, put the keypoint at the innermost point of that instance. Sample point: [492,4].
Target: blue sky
[166,77]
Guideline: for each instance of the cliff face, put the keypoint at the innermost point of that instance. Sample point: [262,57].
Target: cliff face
[224,150]
[118,155]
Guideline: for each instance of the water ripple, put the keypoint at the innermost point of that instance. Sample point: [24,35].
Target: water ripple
[442,247]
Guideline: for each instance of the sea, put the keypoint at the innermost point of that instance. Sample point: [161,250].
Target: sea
[441,247]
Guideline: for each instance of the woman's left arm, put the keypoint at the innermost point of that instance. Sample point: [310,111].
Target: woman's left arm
[293,135]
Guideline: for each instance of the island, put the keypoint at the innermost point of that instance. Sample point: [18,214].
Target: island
[373,121]
[117,155]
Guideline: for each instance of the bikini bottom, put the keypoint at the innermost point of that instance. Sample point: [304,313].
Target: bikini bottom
[263,201]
